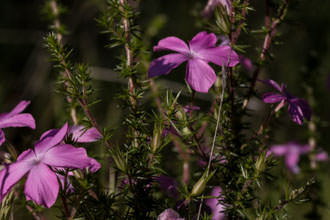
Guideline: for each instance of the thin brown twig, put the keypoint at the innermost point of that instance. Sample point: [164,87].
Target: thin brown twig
[59,38]
[267,43]
[217,127]
[183,153]
[34,213]
[83,101]
[236,34]
[129,64]
[129,61]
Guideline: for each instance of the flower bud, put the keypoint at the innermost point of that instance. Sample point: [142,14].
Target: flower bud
[199,187]
[179,115]
[156,138]
[186,131]
[260,163]
[222,19]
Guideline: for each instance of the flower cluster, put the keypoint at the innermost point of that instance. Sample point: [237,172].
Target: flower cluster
[292,151]
[202,49]
[298,108]
[49,154]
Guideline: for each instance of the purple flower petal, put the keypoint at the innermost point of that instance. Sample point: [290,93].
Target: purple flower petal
[41,185]
[202,40]
[93,165]
[295,113]
[69,187]
[321,156]
[279,150]
[291,161]
[189,108]
[81,135]
[270,97]
[200,76]
[164,64]
[246,63]
[19,120]
[304,149]
[19,107]
[27,156]
[305,108]
[50,141]
[298,110]
[169,214]
[49,133]
[273,84]
[11,174]
[15,119]
[292,152]
[66,156]
[216,208]
[172,43]
[222,56]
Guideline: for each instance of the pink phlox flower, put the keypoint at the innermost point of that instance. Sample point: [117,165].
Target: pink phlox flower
[39,163]
[15,118]
[169,214]
[78,133]
[211,4]
[291,151]
[217,208]
[202,49]
[298,109]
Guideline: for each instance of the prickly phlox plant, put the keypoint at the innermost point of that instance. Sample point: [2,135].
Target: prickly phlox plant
[189,149]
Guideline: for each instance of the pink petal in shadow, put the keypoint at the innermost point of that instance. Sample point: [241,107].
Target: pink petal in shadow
[200,76]
[41,185]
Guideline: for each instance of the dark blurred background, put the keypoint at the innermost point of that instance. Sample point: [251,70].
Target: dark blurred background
[301,60]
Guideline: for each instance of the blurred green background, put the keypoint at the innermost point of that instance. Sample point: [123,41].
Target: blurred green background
[301,60]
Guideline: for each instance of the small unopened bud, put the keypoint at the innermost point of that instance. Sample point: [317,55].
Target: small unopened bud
[199,187]
[156,138]
[222,19]
[186,131]
[218,82]
[5,157]
[179,115]
[260,163]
